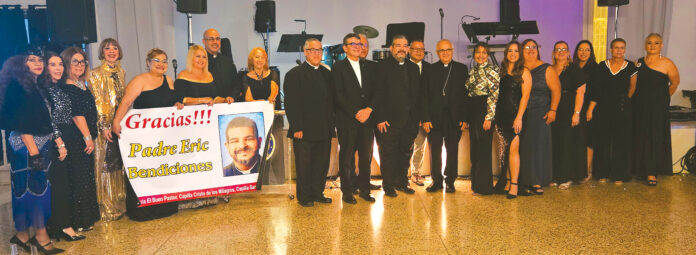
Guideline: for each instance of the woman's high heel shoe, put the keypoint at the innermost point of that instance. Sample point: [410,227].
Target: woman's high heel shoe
[16,242]
[511,196]
[42,248]
[70,238]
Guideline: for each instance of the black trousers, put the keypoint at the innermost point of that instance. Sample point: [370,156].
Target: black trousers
[445,130]
[61,201]
[311,166]
[351,140]
[480,147]
[395,149]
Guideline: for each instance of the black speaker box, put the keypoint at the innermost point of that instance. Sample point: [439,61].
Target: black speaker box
[265,16]
[611,2]
[71,21]
[192,6]
[509,11]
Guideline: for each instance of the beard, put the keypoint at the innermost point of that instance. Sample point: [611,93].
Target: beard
[247,162]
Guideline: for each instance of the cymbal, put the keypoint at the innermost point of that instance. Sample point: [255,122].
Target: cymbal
[370,32]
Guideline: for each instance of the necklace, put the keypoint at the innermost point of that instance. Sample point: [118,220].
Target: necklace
[258,76]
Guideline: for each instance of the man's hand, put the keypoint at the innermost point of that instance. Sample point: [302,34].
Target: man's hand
[363,114]
[382,127]
[463,125]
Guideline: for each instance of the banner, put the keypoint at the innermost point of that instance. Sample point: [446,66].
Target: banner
[199,151]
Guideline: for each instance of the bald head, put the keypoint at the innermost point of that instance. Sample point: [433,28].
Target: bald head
[211,40]
[444,51]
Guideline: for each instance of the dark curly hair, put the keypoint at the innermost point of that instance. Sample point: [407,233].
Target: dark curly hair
[15,69]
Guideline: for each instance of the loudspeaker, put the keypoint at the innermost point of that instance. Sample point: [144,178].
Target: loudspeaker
[265,16]
[611,2]
[509,11]
[38,24]
[192,6]
[71,21]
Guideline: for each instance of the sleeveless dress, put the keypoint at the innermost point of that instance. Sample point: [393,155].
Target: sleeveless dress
[505,113]
[652,139]
[162,96]
[535,141]
[569,143]
[260,89]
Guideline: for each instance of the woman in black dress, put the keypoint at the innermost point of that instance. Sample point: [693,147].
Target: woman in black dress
[25,115]
[610,109]
[147,90]
[60,224]
[657,80]
[79,140]
[535,141]
[482,88]
[260,83]
[515,86]
[568,138]
[585,59]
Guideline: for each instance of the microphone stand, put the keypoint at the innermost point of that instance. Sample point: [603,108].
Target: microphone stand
[442,17]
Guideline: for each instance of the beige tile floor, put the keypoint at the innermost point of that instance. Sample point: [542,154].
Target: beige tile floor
[593,218]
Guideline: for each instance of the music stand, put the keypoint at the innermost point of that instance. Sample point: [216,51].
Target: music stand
[294,42]
[497,28]
[412,31]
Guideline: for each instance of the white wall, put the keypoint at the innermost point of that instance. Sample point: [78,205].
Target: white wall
[682,46]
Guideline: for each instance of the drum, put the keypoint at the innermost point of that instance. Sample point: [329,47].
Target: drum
[332,54]
[378,55]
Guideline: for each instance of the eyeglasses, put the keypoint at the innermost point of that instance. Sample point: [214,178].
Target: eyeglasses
[561,50]
[400,45]
[161,61]
[76,62]
[354,44]
[530,47]
[212,38]
[314,51]
[418,49]
[445,50]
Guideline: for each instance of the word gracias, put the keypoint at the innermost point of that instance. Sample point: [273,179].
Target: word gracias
[136,121]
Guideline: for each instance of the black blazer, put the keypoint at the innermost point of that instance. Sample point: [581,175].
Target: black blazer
[349,96]
[309,102]
[225,77]
[398,92]
[455,92]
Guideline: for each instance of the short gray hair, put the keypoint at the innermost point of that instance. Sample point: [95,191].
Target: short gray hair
[309,40]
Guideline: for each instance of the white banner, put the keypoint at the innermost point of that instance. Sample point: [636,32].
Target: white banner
[199,151]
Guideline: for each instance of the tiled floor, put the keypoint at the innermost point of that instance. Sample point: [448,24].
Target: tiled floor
[594,218]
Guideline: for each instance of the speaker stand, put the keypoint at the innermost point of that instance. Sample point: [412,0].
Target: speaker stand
[190,29]
[616,22]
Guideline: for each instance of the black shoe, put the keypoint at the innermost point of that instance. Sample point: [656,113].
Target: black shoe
[87,229]
[375,187]
[406,189]
[537,190]
[450,188]
[433,187]
[323,200]
[524,192]
[512,196]
[24,246]
[367,197]
[307,204]
[69,238]
[390,192]
[349,199]
[42,248]
[652,183]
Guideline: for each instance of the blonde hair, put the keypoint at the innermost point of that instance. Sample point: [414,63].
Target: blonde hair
[192,53]
[250,60]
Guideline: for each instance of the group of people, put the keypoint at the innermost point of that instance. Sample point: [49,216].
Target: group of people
[558,124]
[63,120]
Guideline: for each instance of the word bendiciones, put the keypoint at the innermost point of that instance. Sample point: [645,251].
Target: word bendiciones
[136,121]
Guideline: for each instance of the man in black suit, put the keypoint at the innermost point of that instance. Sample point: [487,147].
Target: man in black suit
[416,53]
[309,108]
[443,119]
[221,67]
[397,115]
[355,101]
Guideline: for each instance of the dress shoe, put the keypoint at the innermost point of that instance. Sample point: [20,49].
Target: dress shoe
[41,248]
[69,238]
[406,189]
[349,199]
[390,192]
[307,204]
[323,200]
[375,187]
[19,243]
[433,188]
[355,191]
[450,189]
[417,180]
[367,197]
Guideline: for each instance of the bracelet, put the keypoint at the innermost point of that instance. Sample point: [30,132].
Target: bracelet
[87,137]
[577,112]
[62,145]
[552,110]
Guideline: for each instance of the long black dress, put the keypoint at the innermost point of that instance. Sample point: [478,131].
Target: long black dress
[535,141]
[80,165]
[569,147]
[589,69]
[505,114]
[613,120]
[162,96]
[651,127]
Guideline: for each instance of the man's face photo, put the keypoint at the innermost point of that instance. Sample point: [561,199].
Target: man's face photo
[242,145]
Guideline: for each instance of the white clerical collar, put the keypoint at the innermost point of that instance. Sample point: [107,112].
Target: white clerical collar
[401,63]
[313,66]
[354,61]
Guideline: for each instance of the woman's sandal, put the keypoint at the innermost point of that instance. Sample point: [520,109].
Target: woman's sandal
[511,196]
